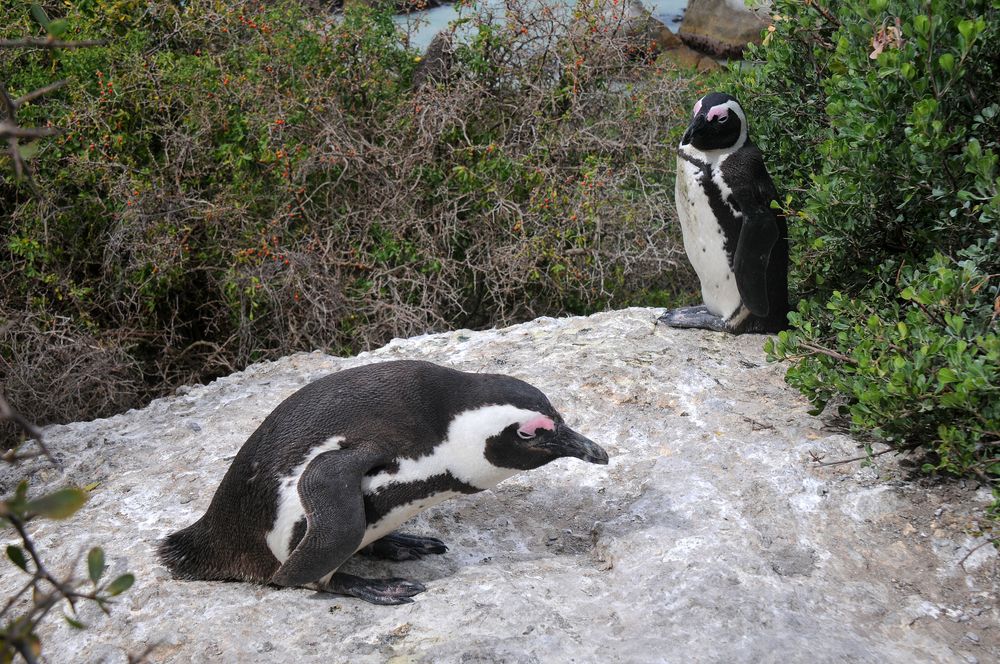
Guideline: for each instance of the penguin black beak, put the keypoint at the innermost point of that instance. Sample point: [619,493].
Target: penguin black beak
[696,125]
[569,443]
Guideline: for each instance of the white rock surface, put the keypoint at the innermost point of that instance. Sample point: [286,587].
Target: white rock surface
[712,536]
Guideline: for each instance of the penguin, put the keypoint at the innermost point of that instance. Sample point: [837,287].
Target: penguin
[737,244]
[344,461]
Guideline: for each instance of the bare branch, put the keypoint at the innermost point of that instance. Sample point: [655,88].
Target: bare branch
[48,42]
[51,87]
[7,412]
[8,130]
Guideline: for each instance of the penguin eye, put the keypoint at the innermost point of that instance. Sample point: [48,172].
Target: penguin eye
[724,118]
[524,435]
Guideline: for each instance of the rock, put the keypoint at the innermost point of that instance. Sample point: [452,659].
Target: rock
[687,58]
[652,34]
[721,27]
[712,536]
[401,6]
[436,62]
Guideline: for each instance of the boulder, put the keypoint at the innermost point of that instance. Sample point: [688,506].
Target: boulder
[651,32]
[722,27]
[712,536]
[436,62]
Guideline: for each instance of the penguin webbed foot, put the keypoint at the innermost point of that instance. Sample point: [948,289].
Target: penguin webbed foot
[400,546]
[377,591]
[693,318]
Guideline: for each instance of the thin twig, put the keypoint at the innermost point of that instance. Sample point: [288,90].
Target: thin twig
[831,353]
[7,412]
[908,448]
[34,94]
[8,130]
[961,562]
[48,42]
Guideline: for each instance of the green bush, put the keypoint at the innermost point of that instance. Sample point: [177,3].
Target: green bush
[881,119]
[237,181]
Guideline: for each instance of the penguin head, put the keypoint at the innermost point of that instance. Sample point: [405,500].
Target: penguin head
[717,123]
[528,432]
[537,439]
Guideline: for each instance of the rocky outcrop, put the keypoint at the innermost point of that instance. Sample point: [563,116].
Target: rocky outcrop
[721,27]
[712,536]
[401,6]
[647,36]
[435,65]
[650,33]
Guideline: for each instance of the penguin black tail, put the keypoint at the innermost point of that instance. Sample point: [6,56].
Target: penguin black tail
[188,553]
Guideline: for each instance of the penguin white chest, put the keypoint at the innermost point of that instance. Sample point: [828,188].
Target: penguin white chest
[704,241]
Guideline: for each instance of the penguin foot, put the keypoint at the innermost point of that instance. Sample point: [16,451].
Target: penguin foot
[400,546]
[376,591]
[693,317]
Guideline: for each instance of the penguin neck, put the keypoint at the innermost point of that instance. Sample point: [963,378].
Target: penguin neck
[713,157]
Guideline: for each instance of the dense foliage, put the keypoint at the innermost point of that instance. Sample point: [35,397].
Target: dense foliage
[239,180]
[881,121]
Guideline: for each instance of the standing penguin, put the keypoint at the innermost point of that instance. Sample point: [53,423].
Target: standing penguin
[337,466]
[736,242]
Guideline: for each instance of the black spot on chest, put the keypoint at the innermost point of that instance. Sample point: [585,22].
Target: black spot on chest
[722,208]
[382,501]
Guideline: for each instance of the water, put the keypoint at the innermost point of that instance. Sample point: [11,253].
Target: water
[422,26]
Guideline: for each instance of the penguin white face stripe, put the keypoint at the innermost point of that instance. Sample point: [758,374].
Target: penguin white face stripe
[290,508]
[463,452]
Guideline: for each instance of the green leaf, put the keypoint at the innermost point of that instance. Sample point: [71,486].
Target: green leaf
[95,563]
[40,15]
[21,493]
[30,150]
[74,623]
[947,62]
[967,29]
[61,504]
[946,375]
[120,585]
[16,555]
[91,486]
[58,27]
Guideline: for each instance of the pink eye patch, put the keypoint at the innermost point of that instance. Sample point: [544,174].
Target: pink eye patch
[697,107]
[717,112]
[531,427]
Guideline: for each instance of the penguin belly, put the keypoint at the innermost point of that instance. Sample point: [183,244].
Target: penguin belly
[704,243]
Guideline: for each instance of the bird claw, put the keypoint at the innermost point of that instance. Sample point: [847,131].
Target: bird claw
[376,591]
[400,546]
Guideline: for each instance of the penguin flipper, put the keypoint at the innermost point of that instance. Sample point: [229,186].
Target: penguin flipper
[330,491]
[753,253]
[758,235]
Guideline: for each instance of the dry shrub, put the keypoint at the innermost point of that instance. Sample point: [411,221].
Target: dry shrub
[58,372]
[237,183]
